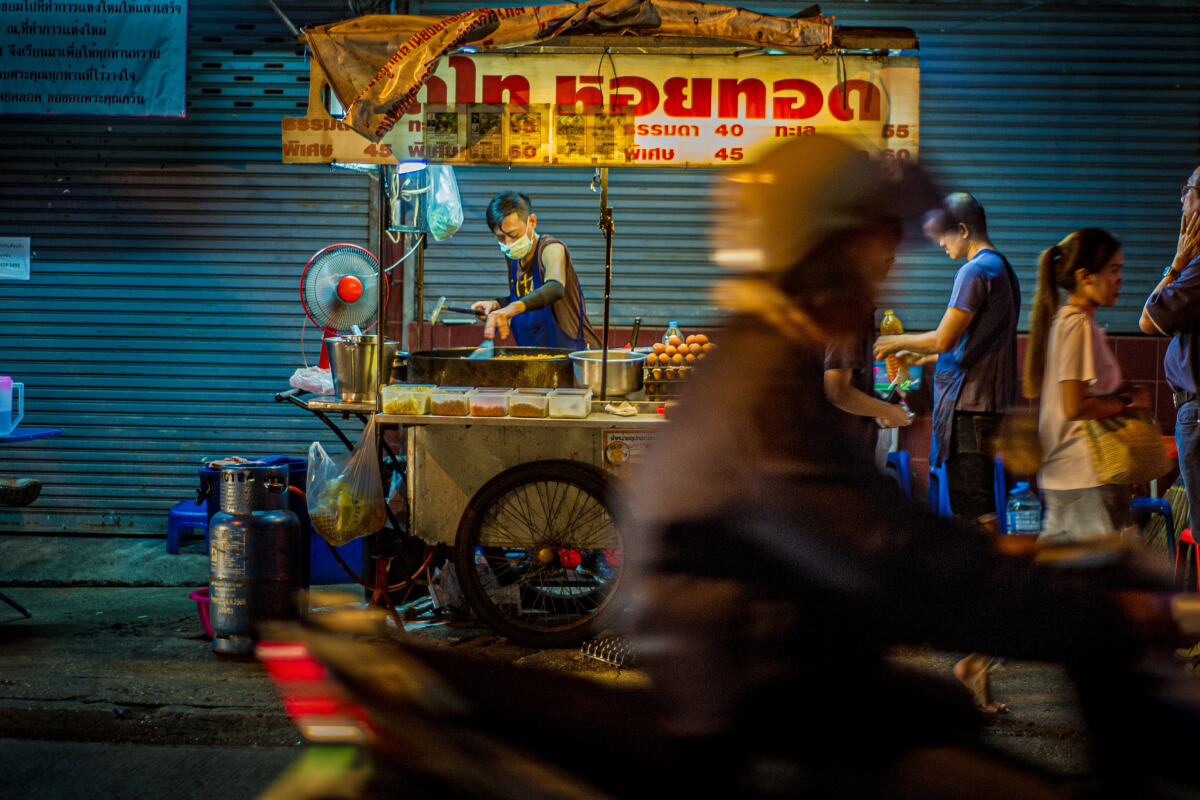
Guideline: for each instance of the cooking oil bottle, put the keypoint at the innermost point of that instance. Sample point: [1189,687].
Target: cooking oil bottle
[890,326]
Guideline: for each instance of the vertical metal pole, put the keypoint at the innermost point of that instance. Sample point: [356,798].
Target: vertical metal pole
[606,225]
[381,289]
[419,279]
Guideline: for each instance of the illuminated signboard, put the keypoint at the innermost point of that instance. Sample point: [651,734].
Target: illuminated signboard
[628,110]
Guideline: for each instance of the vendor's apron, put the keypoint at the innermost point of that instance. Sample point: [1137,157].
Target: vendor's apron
[539,328]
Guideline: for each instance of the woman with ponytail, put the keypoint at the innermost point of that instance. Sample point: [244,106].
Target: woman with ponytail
[1071,366]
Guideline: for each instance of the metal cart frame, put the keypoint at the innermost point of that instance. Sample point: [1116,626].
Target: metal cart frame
[530,509]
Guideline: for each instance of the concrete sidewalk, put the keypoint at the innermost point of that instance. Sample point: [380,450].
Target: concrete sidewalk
[115,653]
[100,561]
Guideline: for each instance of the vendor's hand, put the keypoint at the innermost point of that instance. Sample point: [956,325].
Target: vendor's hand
[499,319]
[910,359]
[1141,398]
[485,306]
[1188,244]
[896,416]
[885,346]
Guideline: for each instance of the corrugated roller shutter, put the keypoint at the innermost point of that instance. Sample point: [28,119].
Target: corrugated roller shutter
[163,310]
[660,257]
[1056,116]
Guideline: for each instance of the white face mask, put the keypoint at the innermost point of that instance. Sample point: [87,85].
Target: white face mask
[518,249]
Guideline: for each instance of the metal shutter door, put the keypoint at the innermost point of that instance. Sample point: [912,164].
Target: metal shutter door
[163,309]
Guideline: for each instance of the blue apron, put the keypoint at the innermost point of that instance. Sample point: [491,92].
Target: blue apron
[539,328]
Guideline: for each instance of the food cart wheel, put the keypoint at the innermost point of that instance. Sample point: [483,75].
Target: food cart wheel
[538,553]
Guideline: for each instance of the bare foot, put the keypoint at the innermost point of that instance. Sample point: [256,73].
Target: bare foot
[973,672]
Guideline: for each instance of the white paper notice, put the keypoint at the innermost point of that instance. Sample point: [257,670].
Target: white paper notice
[14,258]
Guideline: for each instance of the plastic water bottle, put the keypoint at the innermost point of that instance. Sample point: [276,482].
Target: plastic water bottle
[672,330]
[1023,512]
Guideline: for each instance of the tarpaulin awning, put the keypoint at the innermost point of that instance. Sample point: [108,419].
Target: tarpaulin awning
[376,64]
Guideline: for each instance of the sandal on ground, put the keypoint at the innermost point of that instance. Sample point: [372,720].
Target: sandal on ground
[979,685]
[19,492]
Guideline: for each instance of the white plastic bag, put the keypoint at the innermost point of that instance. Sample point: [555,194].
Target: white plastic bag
[445,214]
[312,379]
[345,493]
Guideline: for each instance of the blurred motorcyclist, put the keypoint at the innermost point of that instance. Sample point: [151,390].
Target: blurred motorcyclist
[768,601]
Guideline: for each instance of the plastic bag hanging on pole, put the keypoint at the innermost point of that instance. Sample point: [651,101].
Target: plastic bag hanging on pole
[345,493]
[445,206]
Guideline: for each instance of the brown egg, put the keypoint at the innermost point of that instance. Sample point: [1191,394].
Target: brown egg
[664,359]
[670,374]
[671,350]
[702,356]
[658,347]
[689,339]
[675,340]
[701,338]
[657,373]
[696,349]
[689,359]
[708,347]
[677,359]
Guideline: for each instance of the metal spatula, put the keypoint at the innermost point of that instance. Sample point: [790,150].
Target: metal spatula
[485,350]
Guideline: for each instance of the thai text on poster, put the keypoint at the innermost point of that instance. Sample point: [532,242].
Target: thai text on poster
[112,57]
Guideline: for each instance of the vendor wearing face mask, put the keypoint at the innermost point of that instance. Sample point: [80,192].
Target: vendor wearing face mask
[545,306]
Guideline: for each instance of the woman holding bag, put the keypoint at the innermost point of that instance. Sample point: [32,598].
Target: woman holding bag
[1071,366]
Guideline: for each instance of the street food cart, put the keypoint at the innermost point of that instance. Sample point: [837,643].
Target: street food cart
[531,507]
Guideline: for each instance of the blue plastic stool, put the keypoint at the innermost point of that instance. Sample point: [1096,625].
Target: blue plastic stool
[938,496]
[184,516]
[1158,505]
[898,463]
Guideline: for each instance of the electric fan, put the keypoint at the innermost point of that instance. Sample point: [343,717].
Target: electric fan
[339,291]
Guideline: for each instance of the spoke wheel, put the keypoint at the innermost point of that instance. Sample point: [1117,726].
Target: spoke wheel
[538,553]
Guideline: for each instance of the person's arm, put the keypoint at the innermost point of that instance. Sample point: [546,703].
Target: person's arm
[554,270]
[841,394]
[1157,317]
[1080,405]
[942,339]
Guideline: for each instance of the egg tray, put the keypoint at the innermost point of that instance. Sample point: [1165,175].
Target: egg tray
[668,384]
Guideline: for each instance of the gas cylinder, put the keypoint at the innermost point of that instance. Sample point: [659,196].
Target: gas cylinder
[256,556]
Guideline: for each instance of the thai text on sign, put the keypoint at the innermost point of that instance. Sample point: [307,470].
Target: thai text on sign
[632,110]
[111,57]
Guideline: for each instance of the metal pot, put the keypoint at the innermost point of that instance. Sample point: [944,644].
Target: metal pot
[400,367]
[623,371]
[449,366]
[354,366]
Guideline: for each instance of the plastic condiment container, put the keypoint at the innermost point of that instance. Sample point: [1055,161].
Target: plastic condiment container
[451,401]
[406,398]
[489,402]
[529,403]
[570,403]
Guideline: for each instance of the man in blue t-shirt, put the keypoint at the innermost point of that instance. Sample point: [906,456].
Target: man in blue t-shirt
[1173,309]
[975,346]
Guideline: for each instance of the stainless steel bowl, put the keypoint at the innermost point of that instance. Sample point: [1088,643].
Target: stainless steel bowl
[624,371]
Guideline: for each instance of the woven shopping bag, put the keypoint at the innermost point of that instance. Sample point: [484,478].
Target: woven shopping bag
[1127,447]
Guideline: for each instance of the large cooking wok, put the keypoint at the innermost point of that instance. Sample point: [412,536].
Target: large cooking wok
[448,366]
